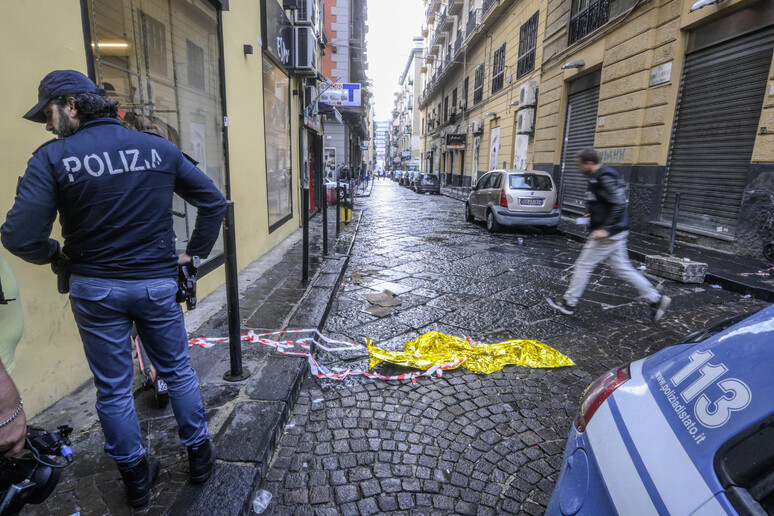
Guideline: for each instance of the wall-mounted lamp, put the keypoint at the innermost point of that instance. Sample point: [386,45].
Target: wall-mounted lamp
[248,49]
[492,113]
[575,63]
[514,103]
[703,3]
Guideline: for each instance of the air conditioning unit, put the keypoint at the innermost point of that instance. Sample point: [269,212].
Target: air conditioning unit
[435,117]
[305,55]
[525,121]
[477,127]
[463,105]
[291,4]
[308,14]
[528,94]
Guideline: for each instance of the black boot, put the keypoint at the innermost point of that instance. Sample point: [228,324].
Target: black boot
[138,479]
[201,459]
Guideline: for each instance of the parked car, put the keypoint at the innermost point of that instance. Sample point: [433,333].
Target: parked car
[427,183]
[687,430]
[514,198]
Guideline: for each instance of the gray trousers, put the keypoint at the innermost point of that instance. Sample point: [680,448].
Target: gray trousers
[613,250]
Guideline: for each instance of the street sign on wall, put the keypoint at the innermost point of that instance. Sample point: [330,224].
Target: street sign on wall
[341,94]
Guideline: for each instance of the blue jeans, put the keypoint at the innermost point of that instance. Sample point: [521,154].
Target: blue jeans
[104,310]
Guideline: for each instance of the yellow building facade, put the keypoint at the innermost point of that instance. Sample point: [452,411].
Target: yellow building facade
[180,68]
[676,95]
[478,57]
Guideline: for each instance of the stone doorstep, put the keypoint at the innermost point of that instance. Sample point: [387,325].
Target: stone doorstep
[677,269]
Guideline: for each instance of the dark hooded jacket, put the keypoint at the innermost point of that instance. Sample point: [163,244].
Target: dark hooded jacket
[606,201]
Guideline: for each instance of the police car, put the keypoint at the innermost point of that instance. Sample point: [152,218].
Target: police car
[686,431]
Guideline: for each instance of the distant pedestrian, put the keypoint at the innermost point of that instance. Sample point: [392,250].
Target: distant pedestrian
[609,225]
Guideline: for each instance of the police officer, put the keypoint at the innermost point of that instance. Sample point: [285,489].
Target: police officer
[113,189]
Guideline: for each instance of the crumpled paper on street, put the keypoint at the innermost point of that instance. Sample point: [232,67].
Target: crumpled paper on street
[436,348]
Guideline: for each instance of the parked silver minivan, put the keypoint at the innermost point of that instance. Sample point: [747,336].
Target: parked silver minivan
[514,198]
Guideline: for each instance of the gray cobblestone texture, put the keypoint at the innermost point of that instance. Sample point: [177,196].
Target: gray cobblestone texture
[464,443]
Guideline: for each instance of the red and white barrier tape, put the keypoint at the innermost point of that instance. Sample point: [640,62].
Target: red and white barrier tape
[764,272]
[322,342]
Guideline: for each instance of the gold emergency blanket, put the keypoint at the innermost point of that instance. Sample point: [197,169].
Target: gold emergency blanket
[438,349]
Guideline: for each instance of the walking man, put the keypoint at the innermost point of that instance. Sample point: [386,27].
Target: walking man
[113,189]
[609,225]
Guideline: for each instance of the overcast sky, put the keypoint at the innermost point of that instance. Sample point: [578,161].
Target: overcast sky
[391,25]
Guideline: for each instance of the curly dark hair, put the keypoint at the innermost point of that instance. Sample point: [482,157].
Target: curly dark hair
[91,106]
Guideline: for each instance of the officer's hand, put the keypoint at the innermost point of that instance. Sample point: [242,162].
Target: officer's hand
[183,259]
[599,234]
[12,436]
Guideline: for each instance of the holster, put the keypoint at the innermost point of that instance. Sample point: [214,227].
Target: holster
[60,264]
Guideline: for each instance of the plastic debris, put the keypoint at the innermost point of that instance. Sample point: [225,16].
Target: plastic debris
[687,260]
[764,272]
[433,348]
[716,286]
[261,501]
[641,268]
[747,296]
[521,241]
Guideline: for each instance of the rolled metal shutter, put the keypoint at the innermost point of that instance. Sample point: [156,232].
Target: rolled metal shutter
[579,134]
[719,105]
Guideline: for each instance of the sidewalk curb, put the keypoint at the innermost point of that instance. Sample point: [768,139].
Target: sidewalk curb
[266,415]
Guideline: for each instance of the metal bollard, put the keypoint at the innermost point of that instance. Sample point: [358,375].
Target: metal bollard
[674,224]
[237,372]
[338,203]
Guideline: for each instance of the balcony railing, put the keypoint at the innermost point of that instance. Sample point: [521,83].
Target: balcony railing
[488,5]
[474,20]
[586,21]
[458,41]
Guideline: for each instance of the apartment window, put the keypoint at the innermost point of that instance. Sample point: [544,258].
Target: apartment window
[498,69]
[454,100]
[478,85]
[587,16]
[195,55]
[527,45]
[446,109]
[465,93]
[155,44]
[157,38]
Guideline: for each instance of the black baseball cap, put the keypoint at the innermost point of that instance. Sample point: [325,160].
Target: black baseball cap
[57,84]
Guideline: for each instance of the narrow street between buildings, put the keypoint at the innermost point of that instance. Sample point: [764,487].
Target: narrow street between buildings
[463,443]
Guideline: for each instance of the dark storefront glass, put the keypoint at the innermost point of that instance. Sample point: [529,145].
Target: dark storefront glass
[159,59]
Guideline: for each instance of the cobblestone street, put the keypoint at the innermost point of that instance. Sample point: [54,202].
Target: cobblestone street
[464,443]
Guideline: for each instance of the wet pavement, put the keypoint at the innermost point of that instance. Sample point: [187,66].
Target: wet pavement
[464,443]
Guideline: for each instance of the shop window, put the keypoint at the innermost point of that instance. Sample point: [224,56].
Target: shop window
[527,46]
[478,84]
[142,50]
[498,69]
[276,112]
[587,16]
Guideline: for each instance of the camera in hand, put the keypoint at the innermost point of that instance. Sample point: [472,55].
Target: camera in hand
[31,475]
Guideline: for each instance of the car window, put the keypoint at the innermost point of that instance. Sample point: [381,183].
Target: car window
[497,180]
[529,182]
[482,182]
[431,177]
